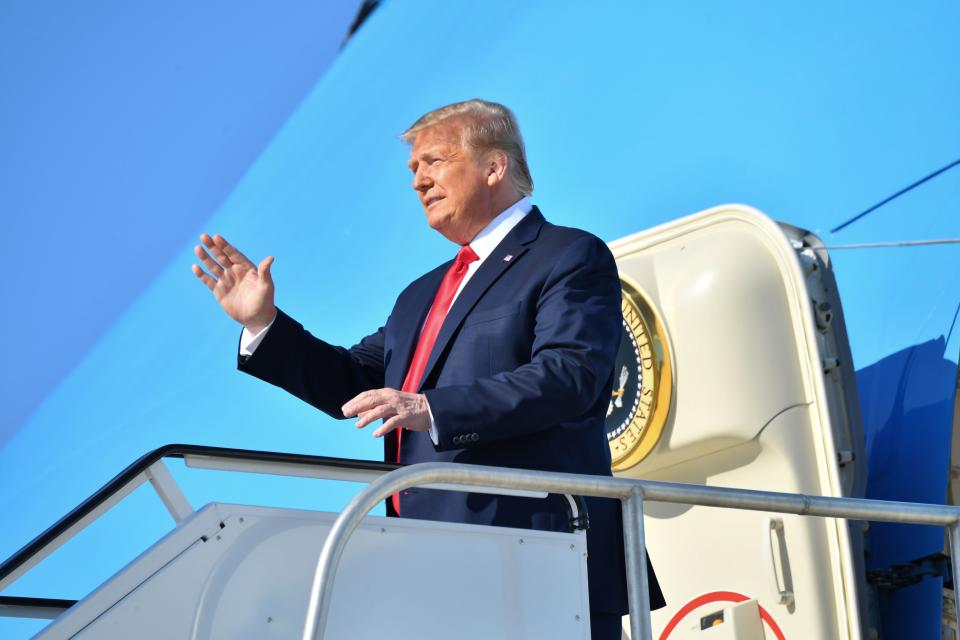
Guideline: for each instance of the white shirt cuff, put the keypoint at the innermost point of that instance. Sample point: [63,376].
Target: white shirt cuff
[250,341]
[434,434]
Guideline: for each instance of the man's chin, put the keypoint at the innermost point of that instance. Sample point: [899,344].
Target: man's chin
[437,220]
[441,224]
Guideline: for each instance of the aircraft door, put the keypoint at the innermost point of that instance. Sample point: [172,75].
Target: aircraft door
[723,379]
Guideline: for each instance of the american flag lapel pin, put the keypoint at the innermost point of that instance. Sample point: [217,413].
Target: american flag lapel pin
[508,257]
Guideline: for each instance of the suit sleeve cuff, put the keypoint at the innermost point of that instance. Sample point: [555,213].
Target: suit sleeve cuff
[445,437]
[250,341]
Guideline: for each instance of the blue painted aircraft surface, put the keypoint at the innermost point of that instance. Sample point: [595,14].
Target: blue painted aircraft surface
[633,114]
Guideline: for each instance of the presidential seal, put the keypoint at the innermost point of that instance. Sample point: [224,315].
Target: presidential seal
[642,383]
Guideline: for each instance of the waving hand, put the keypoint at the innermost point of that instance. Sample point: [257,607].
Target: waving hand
[243,289]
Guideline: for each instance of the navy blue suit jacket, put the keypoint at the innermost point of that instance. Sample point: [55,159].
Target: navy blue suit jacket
[520,376]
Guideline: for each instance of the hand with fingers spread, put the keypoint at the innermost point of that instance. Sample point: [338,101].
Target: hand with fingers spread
[399,408]
[243,289]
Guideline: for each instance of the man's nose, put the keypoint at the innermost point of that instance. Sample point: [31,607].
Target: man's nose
[420,181]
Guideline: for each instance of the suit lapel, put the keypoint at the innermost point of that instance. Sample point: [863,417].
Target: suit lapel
[515,244]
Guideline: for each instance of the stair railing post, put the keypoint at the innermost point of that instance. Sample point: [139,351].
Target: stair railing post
[635,552]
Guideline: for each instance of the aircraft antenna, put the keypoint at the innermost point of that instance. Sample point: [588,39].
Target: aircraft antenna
[897,195]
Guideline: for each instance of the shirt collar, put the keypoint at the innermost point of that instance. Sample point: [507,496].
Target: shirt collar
[490,236]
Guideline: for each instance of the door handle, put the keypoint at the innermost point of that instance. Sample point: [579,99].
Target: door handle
[778,549]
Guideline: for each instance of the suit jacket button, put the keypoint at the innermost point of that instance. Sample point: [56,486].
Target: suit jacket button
[456,439]
[474,437]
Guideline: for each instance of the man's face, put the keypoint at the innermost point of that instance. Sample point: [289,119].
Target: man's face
[451,182]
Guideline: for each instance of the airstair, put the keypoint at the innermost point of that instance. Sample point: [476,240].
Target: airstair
[236,571]
[239,571]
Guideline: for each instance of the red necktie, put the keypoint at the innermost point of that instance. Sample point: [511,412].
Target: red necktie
[431,329]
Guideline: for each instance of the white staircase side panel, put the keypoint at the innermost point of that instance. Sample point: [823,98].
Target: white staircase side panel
[398,578]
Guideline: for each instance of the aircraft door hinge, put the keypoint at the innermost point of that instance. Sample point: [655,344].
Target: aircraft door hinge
[823,313]
[898,576]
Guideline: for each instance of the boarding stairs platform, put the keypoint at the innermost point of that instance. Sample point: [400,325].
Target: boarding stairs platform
[237,571]
[241,571]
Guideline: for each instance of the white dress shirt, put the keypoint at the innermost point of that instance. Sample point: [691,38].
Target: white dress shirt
[483,244]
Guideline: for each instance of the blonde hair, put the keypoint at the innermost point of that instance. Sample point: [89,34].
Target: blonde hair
[488,126]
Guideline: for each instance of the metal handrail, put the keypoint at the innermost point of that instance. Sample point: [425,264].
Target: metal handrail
[149,467]
[120,485]
[632,493]
[25,607]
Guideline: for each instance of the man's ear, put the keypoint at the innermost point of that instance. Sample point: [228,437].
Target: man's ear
[497,162]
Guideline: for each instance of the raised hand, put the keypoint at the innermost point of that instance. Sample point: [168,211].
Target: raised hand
[243,289]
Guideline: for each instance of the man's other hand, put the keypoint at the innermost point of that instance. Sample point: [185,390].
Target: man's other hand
[399,408]
[243,289]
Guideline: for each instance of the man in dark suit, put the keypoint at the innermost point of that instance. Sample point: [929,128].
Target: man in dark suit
[501,357]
